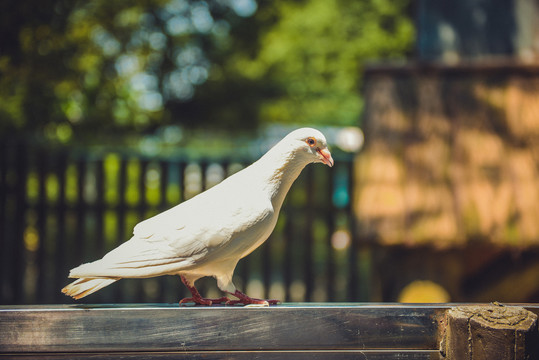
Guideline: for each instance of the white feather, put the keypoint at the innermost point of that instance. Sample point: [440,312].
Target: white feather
[82,287]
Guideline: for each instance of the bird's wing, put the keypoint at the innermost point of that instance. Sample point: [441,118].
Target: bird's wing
[140,257]
[196,232]
[231,193]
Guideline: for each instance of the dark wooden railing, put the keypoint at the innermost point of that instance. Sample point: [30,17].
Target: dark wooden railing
[289,331]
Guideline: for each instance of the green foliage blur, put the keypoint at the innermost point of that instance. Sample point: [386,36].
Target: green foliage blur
[100,71]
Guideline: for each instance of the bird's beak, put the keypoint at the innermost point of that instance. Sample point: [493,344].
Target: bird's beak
[325,156]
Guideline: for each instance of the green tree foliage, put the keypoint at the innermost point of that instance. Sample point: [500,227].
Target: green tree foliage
[100,69]
[313,53]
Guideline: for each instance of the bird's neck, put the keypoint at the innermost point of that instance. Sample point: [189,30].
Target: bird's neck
[279,170]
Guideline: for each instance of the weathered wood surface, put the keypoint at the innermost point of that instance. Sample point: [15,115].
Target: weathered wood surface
[168,331]
[299,331]
[242,355]
[490,332]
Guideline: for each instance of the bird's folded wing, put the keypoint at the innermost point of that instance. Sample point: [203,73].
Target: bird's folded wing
[145,257]
[191,234]
[225,204]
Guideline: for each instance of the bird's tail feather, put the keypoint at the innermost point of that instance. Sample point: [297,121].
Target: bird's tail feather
[86,286]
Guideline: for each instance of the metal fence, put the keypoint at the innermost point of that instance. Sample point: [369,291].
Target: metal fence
[62,207]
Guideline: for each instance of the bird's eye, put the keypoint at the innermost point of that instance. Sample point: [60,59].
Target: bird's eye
[311,141]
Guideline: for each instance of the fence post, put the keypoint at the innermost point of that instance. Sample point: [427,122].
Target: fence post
[490,332]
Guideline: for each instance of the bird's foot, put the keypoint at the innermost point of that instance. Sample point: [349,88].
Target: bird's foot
[246,300]
[204,301]
[197,298]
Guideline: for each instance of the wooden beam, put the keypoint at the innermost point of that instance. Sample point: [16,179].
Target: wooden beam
[163,331]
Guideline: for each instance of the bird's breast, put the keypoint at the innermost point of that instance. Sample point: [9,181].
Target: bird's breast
[256,226]
[258,234]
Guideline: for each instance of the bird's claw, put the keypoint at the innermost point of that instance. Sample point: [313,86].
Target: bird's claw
[254,302]
[204,301]
[246,300]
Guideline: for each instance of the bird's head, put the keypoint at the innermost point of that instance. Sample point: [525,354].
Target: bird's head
[311,144]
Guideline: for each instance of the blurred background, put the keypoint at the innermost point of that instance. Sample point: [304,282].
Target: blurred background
[113,111]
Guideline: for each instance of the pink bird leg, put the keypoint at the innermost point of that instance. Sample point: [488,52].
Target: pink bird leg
[197,298]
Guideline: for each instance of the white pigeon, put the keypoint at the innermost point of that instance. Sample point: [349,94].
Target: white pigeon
[208,234]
